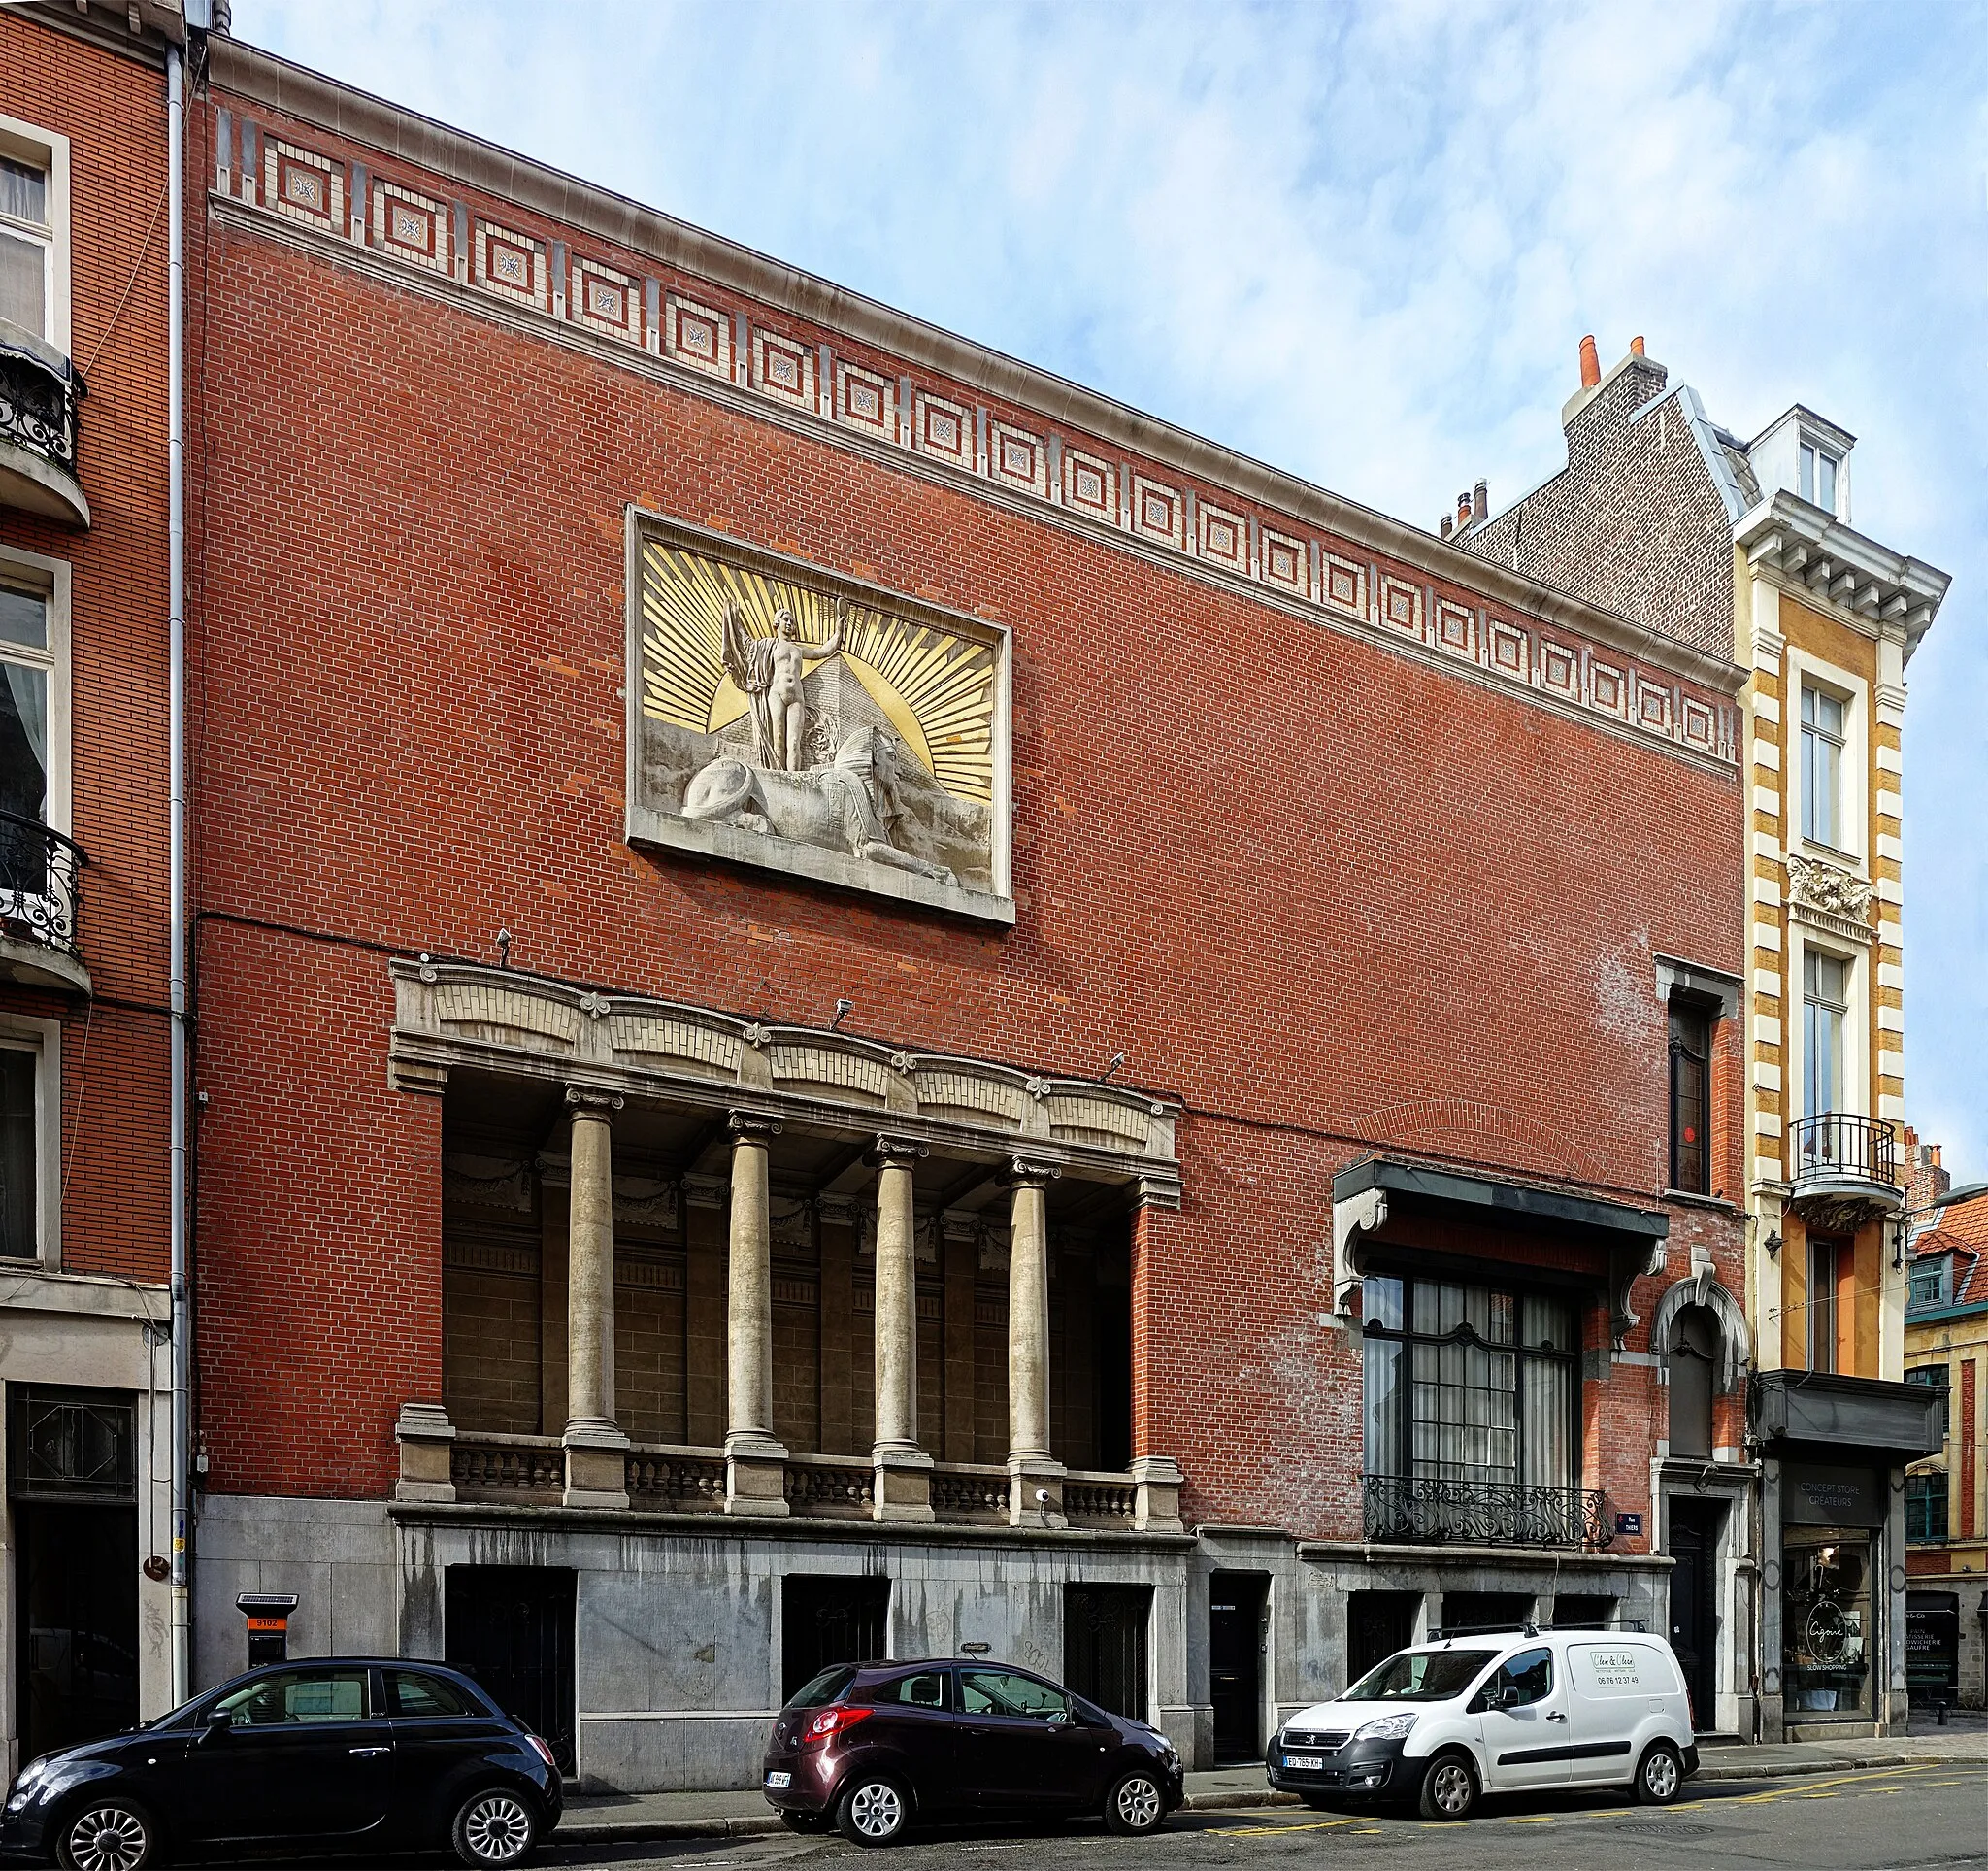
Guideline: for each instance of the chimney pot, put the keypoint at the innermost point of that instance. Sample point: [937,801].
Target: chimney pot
[1590,362]
[1463,509]
[1481,501]
[1636,347]
[1936,1163]
[1449,524]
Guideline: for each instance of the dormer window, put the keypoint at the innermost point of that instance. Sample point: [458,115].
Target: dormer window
[1818,477]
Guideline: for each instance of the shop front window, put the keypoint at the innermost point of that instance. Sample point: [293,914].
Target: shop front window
[1826,1621]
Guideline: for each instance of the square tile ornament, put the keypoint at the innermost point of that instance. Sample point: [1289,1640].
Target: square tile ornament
[1342,584]
[1091,484]
[698,335]
[605,300]
[798,723]
[1158,512]
[1018,459]
[409,226]
[510,263]
[1224,535]
[864,400]
[784,367]
[944,429]
[303,186]
[1284,562]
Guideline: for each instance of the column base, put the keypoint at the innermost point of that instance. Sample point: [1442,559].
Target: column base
[755,1477]
[903,1487]
[1157,1507]
[1035,1491]
[596,1464]
[425,1434]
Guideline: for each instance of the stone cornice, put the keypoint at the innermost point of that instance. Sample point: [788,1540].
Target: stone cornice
[259,78]
[1835,569]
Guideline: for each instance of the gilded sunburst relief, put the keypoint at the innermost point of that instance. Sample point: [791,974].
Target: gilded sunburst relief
[783,716]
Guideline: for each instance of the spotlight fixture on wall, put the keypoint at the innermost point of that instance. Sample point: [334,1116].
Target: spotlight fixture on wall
[504,947]
[844,1008]
[1772,1244]
[1117,1060]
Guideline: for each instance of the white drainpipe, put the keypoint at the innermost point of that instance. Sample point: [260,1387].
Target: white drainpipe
[176,599]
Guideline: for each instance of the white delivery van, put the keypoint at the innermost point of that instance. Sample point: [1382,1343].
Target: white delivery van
[1522,1711]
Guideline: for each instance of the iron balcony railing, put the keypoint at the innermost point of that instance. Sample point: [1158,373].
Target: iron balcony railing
[1423,1510]
[39,391]
[1839,1147]
[41,884]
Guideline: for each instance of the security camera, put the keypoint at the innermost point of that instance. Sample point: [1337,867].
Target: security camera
[1042,1497]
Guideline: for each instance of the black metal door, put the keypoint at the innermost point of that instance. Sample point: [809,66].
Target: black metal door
[78,1597]
[1104,1646]
[828,1620]
[510,1627]
[1693,1538]
[1234,1662]
[1377,1625]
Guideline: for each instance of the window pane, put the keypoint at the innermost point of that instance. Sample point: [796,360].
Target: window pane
[23,191]
[430,1696]
[18,1154]
[1826,483]
[23,617]
[24,740]
[1822,1306]
[997,1693]
[926,1690]
[1549,1423]
[1384,1380]
[1380,1301]
[298,1696]
[1547,1322]
[24,283]
[1806,477]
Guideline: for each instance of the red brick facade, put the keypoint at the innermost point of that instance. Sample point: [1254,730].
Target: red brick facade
[1330,894]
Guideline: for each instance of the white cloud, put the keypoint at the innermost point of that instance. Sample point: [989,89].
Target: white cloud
[1359,241]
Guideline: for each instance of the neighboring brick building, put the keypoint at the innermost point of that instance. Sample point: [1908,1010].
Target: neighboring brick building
[1674,519]
[1946,1496]
[84,892]
[575,1263]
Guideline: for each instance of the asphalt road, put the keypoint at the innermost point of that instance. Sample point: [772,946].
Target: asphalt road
[1878,1820]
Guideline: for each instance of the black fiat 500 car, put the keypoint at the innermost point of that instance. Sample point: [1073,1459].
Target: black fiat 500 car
[868,1748]
[336,1754]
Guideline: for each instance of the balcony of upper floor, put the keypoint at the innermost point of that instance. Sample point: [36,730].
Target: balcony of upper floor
[40,394]
[1843,1168]
[41,879]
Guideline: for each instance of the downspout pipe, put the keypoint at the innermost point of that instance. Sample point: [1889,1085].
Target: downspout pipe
[175,679]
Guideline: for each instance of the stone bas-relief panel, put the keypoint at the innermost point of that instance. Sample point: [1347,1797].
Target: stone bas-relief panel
[788,718]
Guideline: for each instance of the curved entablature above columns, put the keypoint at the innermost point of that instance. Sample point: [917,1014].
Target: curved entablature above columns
[465,1015]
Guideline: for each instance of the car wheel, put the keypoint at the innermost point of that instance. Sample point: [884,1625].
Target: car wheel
[874,1811]
[110,1835]
[1449,1788]
[1134,1805]
[1659,1774]
[494,1828]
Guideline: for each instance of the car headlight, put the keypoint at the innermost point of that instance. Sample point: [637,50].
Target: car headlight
[1390,1727]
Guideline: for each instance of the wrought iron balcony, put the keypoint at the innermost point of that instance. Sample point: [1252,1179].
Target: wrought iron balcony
[39,395]
[1418,1510]
[41,888]
[1839,1158]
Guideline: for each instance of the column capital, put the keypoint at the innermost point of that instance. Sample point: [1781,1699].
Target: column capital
[895,1153]
[592,1101]
[754,1127]
[1028,1172]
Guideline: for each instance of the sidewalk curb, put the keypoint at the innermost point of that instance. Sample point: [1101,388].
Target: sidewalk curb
[637,1831]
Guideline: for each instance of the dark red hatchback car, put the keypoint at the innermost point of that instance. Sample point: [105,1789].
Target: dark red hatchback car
[868,1748]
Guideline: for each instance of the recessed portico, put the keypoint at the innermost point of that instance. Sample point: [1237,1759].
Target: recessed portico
[700,1265]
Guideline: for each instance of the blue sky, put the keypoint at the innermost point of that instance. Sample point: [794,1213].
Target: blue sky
[1362,243]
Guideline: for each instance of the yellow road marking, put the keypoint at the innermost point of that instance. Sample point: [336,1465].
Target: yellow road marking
[1534,1818]
[1815,1789]
[1269,1831]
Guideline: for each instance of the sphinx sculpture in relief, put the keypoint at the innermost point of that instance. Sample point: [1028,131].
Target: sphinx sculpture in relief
[837,734]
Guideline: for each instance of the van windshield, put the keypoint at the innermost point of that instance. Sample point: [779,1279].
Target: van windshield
[1421,1676]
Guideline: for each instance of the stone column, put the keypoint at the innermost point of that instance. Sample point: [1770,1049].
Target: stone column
[596,1465]
[1034,1477]
[903,1487]
[755,1463]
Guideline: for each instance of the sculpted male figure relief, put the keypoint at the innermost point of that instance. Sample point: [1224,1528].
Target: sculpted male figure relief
[769,671]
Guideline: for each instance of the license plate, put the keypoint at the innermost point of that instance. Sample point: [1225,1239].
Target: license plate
[778,1781]
[1305,1763]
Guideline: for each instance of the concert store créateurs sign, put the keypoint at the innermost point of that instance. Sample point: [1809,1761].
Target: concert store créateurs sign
[1815,1494]
[782,716]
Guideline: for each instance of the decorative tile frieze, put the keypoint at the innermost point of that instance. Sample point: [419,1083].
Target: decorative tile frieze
[1283,562]
[510,263]
[697,335]
[1018,459]
[606,300]
[1223,537]
[1341,583]
[1652,705]
[1560,670]
[1456,628]
[1509,648]
[942,428]
[411,226]
[1091,484]
[1608,687]
[1158,512]
[784,367]
[303,185]
[865,399]
[1401,605]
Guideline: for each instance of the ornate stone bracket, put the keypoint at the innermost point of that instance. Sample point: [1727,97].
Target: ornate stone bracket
[1626,1266]
[1353,1219]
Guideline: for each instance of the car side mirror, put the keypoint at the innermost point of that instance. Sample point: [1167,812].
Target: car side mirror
[1510,1697]
[221,1723]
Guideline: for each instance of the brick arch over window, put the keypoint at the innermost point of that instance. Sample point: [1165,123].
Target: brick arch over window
[1462,1127]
